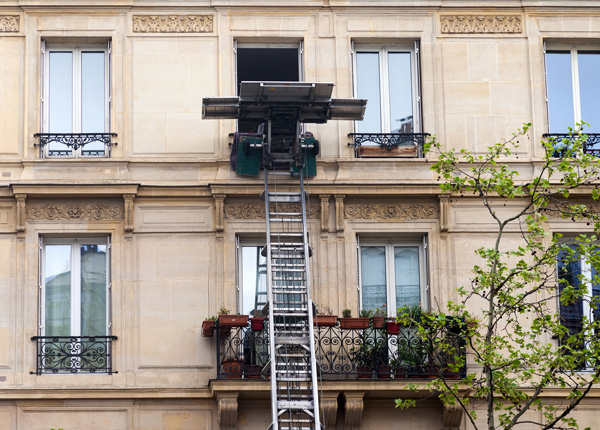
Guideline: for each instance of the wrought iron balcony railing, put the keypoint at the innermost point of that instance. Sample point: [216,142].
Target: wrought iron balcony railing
[74,354]
[411,145]
[348,353]
[75,141]
[591,145]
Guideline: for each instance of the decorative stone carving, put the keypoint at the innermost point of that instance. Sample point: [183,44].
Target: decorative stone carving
[227,405]
[452,24]
[444,212]
[329,406]
[562,211]
[21,214]
[252,211]
[9,24]
[354,410]
[324,212]
[339,212]
[219,215]
[60,211]
[392,211]
[452,417]
[172,23]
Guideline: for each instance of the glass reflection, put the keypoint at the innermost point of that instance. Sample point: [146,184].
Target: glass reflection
[367,82]
[400,83]
[60,103]
[408,285]
[92,96]
[589,90]
[373,277]
[560,91]
[57,275]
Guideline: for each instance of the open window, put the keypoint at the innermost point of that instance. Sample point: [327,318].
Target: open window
[266,62]
[76,100]
[392,273]
[252,277]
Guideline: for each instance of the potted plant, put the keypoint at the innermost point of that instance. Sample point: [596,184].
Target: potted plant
[325,317]
[227,321]
[257,322]
[363,358]
[208,326]
[349,323]
[232,367]
[379,317]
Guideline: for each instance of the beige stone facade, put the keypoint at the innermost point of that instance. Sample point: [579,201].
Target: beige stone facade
[173,207]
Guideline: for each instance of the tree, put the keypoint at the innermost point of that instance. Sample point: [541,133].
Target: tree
[519,343]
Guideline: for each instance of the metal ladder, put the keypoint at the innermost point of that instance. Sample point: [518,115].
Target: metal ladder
[294,390]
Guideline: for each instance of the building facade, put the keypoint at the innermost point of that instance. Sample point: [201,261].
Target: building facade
[123,225]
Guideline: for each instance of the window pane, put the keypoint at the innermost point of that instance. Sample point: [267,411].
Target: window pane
[93,290]
[254,280]
[595,303]
[57,275]
[367,82]
[560,91]
[401,102]
[569,272]
[93,96]
[60,103]
[589,69]
[406,267]
[373,277]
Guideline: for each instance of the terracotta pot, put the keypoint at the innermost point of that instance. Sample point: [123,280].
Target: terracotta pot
[325,320]
[364,372]
[393,327]
[208,328]
[252,371]
[354,323]
[232,368]
[384,371]
[233,320]
[257,324]
[378,322]
[400,374]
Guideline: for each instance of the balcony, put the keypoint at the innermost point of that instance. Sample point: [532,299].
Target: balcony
[561,140]
[74,144]
[384,145]
[74,354]
[362,354]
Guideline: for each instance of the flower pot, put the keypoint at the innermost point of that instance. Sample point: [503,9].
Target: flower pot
[393,327]
[208,328]
[232,368]
[354,323]
[364,372]
[325,320]
[252,371]
[384,371]
[378,322]
[233,321]
[400,374]
[257,324]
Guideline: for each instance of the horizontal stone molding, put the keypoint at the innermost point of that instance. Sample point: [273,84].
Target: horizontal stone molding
[9,24]
[172,23]
[254,211]
[477,24]
[69,211]
[392,211]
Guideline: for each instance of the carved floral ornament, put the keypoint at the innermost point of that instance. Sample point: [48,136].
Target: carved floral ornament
[172,23]
[394,211]
[252,211]
[9,23]
[75,211]
[481,24]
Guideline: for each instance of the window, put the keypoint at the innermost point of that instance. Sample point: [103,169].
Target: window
[392,274]
[574,270]
[389,78]
[572,90]
[74,305]
[76,99]
[252,279]
[266,62]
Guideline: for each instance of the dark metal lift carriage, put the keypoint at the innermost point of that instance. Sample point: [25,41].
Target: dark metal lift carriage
[281,149]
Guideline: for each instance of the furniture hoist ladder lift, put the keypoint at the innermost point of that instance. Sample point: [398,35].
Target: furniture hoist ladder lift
[283,151]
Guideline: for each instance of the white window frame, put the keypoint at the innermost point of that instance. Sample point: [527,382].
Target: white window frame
[383,50]
[75,280]
[389,245]
[77,50]
[573,49]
